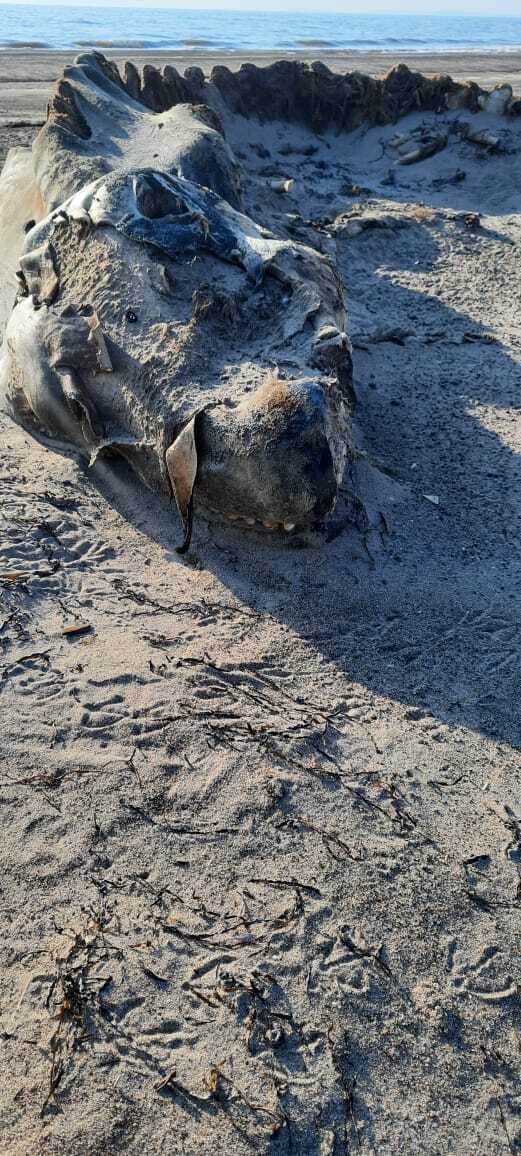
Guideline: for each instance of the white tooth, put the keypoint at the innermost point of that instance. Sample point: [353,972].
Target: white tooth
[250,521]
[288,526]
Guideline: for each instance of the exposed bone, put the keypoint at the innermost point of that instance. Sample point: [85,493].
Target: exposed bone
[38,268]
[97,338]
[132,80]
[154,92]
[174,85]
[498,101]
[483,137]
[352,224]
[195,78]
[63,111]
[181,461]
[418,145]
[79,405]
[119,131]
[313,95]
[423,151]
[73,339]
[147,174]
[175,216]
[187,218]
[282,186]
[142,165]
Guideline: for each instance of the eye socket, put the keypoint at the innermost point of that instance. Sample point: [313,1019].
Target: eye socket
[154,201]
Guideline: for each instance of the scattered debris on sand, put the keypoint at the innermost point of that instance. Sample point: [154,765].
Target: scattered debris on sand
[261,823]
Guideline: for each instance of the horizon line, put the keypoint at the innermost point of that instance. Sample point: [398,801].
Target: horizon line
[237,7]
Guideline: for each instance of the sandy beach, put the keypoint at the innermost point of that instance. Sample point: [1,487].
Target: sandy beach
[26,77]
[261,842]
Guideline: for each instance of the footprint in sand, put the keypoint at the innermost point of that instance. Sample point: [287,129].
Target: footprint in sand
[485,976]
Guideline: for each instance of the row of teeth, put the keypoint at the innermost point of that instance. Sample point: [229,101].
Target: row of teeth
[287,526]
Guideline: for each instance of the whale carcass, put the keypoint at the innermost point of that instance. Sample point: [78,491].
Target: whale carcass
[135,283]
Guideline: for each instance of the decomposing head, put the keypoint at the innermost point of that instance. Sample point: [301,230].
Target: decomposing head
[152,315]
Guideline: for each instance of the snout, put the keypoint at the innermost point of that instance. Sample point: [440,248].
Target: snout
[276,458]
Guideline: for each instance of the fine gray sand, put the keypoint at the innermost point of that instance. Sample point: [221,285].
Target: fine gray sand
[27,77]
[261,854]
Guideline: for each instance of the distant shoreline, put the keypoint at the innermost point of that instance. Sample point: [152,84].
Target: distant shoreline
[471,63]
[307,50]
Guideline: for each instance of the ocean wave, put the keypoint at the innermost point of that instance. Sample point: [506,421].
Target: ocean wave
[199,42]
[440,49]
[189,31]
[128,43]
[415,43]
[177,48]
[111,44]
[427,42]
[188,44]
[12,44]
[315,43]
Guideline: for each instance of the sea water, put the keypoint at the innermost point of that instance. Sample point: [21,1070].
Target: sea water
[60,26]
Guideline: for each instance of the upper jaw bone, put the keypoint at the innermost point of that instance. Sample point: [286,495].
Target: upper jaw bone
[291,471]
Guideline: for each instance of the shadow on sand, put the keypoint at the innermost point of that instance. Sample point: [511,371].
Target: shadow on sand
[428,614]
